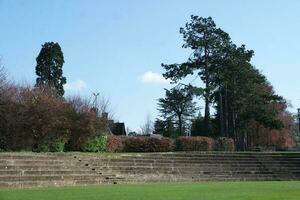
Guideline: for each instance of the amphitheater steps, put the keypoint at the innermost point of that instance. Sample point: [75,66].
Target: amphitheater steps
[39,170]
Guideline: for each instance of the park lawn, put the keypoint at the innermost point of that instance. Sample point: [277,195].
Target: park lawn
[284,190]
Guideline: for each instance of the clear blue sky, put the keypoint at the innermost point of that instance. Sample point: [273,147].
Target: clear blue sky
[116,47]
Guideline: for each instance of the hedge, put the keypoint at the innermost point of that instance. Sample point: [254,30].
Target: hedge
[224,144]
[194,144]
[114,144]
[147,144]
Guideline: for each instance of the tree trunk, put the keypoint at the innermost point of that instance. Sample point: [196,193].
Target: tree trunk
[180,125]
[226,112]
[207,99]
[221,117]
[206,117]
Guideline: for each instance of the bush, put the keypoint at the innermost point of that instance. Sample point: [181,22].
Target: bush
[48,145]
[84,122]
[96,144]
[147,144]
[224,144]
[114,144]
[57,145]
[33,117]
[194,144]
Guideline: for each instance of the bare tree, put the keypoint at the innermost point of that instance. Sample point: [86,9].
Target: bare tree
[3,77]
[147,127]
[100,103]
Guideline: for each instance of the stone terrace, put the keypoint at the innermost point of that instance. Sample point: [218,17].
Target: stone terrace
[37,169]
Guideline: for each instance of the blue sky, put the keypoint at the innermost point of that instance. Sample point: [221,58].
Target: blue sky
[116,47]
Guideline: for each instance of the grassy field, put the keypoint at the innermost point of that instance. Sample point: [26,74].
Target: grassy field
[175,191]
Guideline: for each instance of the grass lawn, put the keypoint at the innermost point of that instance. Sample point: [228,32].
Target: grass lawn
[174,191]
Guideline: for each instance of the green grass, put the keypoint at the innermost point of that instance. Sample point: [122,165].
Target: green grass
[174,191]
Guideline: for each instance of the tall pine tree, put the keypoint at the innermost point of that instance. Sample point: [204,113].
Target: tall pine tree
[207,43]
[49,68]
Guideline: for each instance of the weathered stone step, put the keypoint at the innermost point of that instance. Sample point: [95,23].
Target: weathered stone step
[35,162]
[43,172]
[26,184]
[183,167]
[37,167]
[141,160]
[55,177]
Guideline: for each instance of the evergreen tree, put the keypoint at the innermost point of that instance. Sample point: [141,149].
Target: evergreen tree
[165,128]
[241,97]
[177,106]
[49,68]
[197,128]
[239,92]
[207,42]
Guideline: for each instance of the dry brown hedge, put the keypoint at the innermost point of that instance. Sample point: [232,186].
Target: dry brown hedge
[114,144]
[147,144]
[194,144]
[224,144]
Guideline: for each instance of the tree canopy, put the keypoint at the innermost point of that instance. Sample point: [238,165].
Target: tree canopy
[49,68]
[177,106]
[237,90]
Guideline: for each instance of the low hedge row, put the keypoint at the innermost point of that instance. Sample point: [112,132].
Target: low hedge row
[224,144]
[148,144]
[194,144]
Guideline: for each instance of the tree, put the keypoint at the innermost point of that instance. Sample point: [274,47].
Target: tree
[243,95]
[207,42]
[239,92]
[197,128]
[177,106]
[147,127]
[49,68]
[165,128]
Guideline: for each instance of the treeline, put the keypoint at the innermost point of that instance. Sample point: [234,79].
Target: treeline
[34,119]
[246,106]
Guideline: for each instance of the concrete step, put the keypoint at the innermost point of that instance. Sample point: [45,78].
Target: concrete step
[55,177]
[44,172]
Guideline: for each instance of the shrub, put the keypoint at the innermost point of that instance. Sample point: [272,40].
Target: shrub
[96,144]
[57,145]
[147,144]
[224,144]
[84,122]
[41,147]
[194,144]
[33,117]
[114,144]
[50,145]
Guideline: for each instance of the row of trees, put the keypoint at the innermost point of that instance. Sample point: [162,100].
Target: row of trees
[240,95]
[40,118]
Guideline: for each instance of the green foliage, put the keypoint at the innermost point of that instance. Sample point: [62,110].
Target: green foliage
[165,128]
[57,145]
[49,68]
[198,127]
[50,145]
[96,144]
[238,90]
[177,106]
[207,42]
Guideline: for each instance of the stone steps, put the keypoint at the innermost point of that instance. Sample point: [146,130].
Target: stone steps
[35,183]
[56,177]
[43,172]
[37,169]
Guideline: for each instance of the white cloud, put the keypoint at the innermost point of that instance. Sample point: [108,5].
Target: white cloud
[153,77]
[76,85]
